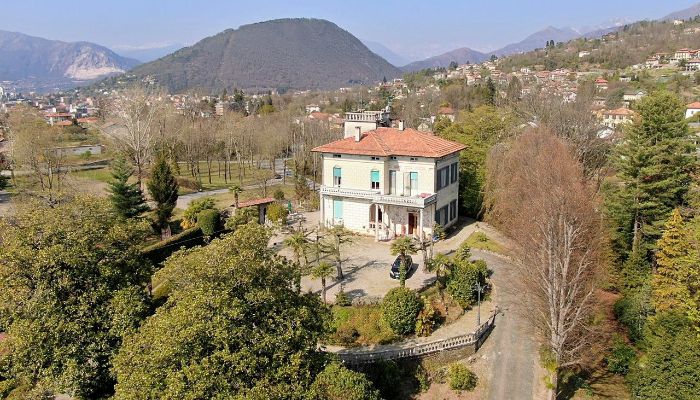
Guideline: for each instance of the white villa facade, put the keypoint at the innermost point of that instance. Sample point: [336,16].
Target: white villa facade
[390,182]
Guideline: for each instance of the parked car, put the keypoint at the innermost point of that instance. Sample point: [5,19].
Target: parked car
[396,265]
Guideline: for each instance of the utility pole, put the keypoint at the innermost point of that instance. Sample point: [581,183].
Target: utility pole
[479,288]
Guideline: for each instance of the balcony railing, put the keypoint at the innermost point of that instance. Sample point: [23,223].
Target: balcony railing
[376,197]
[367,116]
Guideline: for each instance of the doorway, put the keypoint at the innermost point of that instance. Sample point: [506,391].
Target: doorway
[411,223]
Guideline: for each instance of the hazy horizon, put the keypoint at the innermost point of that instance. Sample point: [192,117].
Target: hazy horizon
[130,26]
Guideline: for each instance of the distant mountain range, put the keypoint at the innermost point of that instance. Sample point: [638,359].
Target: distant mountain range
[688,13]
[386,53]
[295,53]
[147,53]
[461,56]
[38,61]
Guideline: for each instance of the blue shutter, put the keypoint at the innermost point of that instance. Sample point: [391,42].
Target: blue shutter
[337,209]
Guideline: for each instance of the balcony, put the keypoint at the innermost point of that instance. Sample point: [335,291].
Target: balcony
[375,196]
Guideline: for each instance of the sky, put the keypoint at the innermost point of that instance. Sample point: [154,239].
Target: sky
[412,29]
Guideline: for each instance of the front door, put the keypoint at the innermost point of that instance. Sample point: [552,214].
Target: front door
[411,223]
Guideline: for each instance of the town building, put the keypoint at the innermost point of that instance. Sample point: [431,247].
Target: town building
[614,118]
[389,182]
[692,109]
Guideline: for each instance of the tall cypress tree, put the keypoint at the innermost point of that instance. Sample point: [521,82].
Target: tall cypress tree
[163,189]
[127,199]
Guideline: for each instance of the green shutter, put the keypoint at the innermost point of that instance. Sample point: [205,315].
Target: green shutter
[336,171]
[375,176]
[337,209]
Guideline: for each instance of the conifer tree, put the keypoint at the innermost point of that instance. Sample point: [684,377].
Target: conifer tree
[654,165]
[163,189]
[127,198]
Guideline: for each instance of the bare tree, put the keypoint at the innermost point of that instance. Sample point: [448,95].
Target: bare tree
[538,195]
[133,125]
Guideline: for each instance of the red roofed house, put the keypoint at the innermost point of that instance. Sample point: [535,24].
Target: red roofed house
[601,84]
[447,112]
[389,182]
[613,118]
[692,109]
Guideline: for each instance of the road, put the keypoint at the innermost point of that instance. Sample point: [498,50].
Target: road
[511,348]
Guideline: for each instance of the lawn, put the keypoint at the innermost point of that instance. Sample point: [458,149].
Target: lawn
[99,174]
[479,240]
[360,326]
[252,176]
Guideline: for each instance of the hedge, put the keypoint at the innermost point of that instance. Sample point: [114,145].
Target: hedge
[158,252]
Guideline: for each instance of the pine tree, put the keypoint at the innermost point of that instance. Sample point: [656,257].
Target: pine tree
[163,189]
[127,199]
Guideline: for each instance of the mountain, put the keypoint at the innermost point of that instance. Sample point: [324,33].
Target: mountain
[34,62]
[284,53]
[386,53]
[147,53]
[461,56]
[538,40]
[688,13]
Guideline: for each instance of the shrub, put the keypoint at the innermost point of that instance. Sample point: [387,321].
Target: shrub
[427,319]
[241,217]
[189,217]
[387,377]
[279,195]
[342,299]
[158,252]
[4,182]
[621,357]
[346,335]
[277,213]
[461,378]
[400,309]
[423,378]
[208,221]
[462,280]
[336,382]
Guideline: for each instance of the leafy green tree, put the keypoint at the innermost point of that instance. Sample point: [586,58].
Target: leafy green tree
[163,189]
[670,369]
[72,286]
[402,247]
[461,378]
[277,213]
[400,308]
[236,190]
[336,382]
[479,130]
[242,216]
[323,271]
[234,328]
[189,217]
[127,198]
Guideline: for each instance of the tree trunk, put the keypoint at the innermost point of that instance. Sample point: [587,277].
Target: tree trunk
[323,289]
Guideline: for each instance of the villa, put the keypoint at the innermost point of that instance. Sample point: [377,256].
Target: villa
[389,182]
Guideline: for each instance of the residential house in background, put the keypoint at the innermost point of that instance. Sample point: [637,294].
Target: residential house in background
[389,182]
[692,109]
[614,118]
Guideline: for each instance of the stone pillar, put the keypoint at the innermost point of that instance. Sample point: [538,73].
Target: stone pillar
[420,225]
[376,222]
[322,211]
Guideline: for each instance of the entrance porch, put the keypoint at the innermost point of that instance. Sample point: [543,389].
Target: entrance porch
[387,221]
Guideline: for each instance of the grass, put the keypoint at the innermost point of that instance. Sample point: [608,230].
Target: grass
[99,174]
[360,325]
[252,176]
[479,240]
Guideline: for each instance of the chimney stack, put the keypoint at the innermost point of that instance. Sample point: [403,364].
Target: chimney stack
[401,127]
[358,133]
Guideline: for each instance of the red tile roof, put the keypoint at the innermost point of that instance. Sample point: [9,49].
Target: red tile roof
[695,105]
[620,111]
[255,202]
[383,142]
[446,111]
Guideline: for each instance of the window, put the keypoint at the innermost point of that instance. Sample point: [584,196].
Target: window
[454,168]
[375,158]
[374,177]
[414,159]
[392,182]
[441,216]
[443,178]
[453,209]
[336,156]
[413,183]
[337,209]
[336,176]
[393,157]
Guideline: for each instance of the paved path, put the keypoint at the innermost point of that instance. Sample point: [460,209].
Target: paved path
[512,349]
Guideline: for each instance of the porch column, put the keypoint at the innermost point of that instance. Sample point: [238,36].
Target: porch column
[376,222]
[322,220]
[420,225]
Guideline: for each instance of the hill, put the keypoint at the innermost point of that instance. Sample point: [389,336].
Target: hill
[538,40]
[283,53]
[35,63]
[386,53]
[461,56]
[688,13]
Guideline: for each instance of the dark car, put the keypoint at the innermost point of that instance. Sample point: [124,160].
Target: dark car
[395,267]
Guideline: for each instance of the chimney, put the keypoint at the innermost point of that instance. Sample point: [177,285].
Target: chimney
[401,125]
[358,133]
